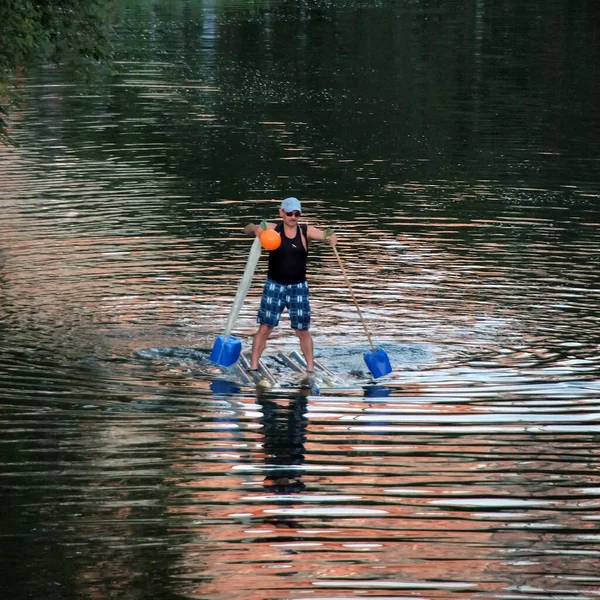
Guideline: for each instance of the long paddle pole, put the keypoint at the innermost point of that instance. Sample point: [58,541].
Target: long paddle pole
[227,348]
[339,259]
[243,286]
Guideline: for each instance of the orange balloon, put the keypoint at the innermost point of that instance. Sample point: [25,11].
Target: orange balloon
[270,239]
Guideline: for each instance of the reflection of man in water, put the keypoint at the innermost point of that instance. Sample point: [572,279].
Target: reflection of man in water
[284,429]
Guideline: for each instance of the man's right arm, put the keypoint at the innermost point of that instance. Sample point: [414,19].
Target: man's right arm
[252,229]
[257,229]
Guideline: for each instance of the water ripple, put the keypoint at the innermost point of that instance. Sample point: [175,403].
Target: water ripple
[472,471]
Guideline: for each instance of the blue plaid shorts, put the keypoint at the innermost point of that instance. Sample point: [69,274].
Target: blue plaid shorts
[276,297]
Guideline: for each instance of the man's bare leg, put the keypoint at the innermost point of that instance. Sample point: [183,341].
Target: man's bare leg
[306,345]
[259,343]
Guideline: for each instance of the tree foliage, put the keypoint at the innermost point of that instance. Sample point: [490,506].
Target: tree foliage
[76,32]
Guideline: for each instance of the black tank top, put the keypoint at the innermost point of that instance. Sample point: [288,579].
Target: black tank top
[287,264]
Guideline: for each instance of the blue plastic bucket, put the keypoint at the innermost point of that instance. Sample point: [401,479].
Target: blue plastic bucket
[226,350]
[378,363]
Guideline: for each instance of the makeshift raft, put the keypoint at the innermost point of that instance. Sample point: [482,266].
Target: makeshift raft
[293,361]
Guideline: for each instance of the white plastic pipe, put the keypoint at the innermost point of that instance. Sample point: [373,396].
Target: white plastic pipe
[243,286]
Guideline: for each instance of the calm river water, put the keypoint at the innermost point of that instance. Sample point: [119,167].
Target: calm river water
[453,145]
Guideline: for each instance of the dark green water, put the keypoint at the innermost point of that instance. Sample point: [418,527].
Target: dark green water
[453,145]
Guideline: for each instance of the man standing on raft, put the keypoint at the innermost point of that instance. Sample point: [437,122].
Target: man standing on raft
[286,285]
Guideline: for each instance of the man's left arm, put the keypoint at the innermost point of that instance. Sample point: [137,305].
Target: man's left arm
[314,233]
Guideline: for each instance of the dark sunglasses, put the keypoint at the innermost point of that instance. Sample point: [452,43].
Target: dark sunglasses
[294,213]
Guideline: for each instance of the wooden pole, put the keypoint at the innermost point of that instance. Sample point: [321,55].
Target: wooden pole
[337,255]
